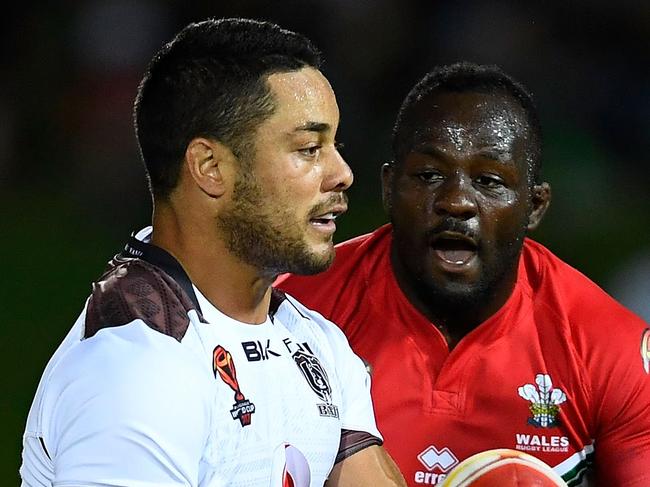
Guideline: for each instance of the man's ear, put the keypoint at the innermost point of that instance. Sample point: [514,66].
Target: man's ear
[209,163]
[387,174]
[540,201]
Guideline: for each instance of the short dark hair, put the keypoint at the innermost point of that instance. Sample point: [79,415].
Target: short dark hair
[470,77]
[210,81]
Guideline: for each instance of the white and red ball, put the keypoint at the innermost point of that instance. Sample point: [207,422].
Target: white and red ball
[503,468]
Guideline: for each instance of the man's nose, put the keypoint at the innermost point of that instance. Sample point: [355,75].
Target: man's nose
[339,176]
[455,197]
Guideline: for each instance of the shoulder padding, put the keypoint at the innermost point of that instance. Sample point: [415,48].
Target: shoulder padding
[134,289]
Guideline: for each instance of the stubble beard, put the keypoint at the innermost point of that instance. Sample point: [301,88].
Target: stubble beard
[266,236]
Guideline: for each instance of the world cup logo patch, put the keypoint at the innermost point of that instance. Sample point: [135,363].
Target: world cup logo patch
[224,365]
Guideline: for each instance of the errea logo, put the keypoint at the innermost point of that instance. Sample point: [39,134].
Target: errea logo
[437,462]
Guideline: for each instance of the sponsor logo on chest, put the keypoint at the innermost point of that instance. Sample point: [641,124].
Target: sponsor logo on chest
[438,464]
[307,362]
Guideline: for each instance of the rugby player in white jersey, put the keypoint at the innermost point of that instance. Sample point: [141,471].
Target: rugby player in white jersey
[185,368]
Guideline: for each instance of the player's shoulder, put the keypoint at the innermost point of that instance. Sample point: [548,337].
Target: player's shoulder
[547,273]
[125,353]
[130,367]
[129,332]
[133,289]
[124,382]
[571,296]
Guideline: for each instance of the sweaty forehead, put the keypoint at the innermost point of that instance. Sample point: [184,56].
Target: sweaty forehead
[302,97]
[469,122]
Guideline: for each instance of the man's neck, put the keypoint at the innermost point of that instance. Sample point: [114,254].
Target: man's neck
[236,289]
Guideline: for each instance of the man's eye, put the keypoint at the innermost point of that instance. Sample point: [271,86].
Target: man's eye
[490,181]
[310,151]
[430,176]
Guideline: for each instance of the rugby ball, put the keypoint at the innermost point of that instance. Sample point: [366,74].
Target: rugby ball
[503,468]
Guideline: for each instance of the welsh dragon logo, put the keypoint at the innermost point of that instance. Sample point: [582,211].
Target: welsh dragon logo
[544,401]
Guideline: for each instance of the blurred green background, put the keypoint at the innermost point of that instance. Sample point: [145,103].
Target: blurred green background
[72,187]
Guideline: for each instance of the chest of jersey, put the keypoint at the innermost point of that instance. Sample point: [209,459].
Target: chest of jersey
[272,391]
[514,388]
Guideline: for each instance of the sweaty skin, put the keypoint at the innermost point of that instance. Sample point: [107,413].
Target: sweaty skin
[460,201]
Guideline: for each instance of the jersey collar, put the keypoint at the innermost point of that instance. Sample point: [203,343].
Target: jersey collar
[139,246]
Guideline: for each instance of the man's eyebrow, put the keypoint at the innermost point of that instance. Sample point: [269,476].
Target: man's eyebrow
[493,153]
[313,127]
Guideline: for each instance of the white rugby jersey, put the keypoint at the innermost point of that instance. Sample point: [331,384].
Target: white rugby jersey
[154,386]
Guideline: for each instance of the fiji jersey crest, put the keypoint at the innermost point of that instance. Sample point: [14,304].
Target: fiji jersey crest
[544,401]
[316,376]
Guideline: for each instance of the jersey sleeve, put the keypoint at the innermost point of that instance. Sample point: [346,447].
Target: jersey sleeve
[622,393]
[127,407]
[613,343]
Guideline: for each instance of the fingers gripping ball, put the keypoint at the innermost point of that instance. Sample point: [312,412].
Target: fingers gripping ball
[503,468]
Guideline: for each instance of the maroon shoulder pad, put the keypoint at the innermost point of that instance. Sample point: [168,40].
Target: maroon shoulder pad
[134,289]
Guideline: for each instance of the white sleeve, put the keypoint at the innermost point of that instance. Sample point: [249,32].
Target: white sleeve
[127,407]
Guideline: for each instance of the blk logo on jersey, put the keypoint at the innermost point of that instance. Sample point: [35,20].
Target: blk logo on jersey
[224,365]
[256,350]
[544,401]
[437,462]
[645,350]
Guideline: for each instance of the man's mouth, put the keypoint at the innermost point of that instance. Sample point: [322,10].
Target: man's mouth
[325,218]
[454,248]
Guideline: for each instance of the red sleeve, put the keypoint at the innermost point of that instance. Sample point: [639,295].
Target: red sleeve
[621,388]
[613,344]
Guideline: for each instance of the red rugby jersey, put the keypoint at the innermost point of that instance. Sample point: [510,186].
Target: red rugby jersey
[561,371]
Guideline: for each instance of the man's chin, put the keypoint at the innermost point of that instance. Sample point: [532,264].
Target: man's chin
[458,294]
[309,262]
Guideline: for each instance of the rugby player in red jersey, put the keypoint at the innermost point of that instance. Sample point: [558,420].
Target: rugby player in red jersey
[477,336]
